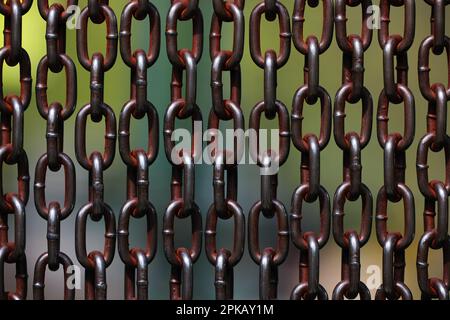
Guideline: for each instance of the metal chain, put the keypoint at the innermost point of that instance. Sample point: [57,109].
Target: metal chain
[182,204]
[12,109]
[225,206]
[269,258]
[96,262]
[310,190]
[136,260]
[352,143]
[436,234]
[56,60]
[395,145]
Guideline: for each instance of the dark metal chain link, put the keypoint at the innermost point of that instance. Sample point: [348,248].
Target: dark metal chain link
[352,143]
[395,145]
[182,204]
[310,145]
[12,109]
[436,234]
[136,260]
[56,60]
[269,258]
[225,206]
[96,262]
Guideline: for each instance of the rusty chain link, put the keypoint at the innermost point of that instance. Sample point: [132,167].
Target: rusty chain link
[12,153]
[56,60]
[96,262]
[436,234]
[310,189]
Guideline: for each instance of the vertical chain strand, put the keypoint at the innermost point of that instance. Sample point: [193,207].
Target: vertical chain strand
[12,110]
[310,147]
[436,234]
[136,260]
[395,145]
[96,262]
[56,60]
[269,258]
[352,143]
[225,206]
[183,160]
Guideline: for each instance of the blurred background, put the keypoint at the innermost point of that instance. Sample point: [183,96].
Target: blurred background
[289,79]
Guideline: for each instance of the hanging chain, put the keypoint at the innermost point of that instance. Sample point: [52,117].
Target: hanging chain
[225,207]
[352,143]
[310,190]
[269,258]
[96,262]
[12,109]
[56,60]
[436,234]
[136,260]
[182,204]
[394,145]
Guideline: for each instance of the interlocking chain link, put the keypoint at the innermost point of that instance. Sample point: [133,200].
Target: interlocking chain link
[395,145]
[12,109]
[225,206]
[56,60]
[182,204]
[136,260]
[309,144]
[352,143]
[269,258]
[96,262]
[436,234]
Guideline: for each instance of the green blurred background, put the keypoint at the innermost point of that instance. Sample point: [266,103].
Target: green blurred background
[289,79]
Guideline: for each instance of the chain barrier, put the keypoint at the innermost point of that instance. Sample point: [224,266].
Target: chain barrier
[226,111]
